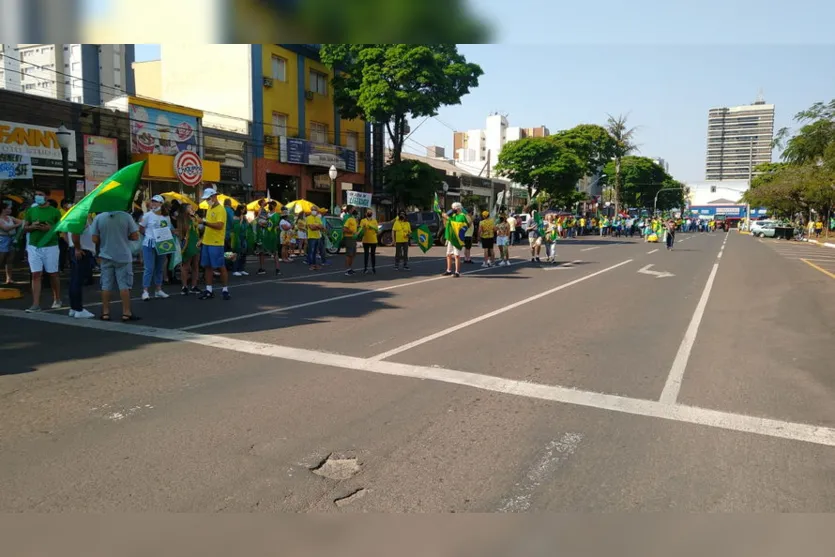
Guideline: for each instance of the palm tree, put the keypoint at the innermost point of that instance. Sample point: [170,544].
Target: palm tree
[624,145]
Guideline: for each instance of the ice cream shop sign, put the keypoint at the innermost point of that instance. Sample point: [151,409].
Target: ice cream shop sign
[189,168]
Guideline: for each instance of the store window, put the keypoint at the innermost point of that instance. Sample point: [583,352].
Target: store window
[352,141]
[279,124]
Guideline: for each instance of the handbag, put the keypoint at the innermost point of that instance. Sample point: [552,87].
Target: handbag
[164,240]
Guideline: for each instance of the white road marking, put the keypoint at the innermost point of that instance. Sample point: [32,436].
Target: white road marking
[334,299]
[652,251]
[806,433]
[566,265]
[589,249]
[556,452]
[491,314]
[268,281]
[657,274]
[673,384]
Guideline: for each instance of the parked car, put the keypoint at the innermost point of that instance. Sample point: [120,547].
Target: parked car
[430,218]
[332,223]
[756,226]
[764,230]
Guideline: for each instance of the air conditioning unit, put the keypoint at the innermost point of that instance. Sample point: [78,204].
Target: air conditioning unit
[268,140]
[308,95]
[268,82]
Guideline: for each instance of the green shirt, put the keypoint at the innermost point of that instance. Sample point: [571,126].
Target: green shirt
[47,214]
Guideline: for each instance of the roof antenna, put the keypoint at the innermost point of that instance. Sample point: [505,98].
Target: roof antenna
[760,97]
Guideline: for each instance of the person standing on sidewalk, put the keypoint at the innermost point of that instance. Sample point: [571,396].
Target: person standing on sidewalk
[487,234]
[671,233]
[369,241]
[153,262]
[82,252]
[313,224]
[402,230]
[469,233]
[211,251]
[8,232]
[39,220]
[189,235]
[114,233]
[503,241]
[453,253]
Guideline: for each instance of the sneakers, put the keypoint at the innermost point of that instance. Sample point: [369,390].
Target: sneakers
[57,304]
[396,268]
[83,314]
[277,273]
[237,274]
[195,290]
[145,296]
[349,273]
[244,273]
[457,275]
[406,268]
[538,260]
[366,272]
[184,291]
[160,294]
[33,309]
[225,295]
[484,265]
[261,272]
[447,273]
[206,295]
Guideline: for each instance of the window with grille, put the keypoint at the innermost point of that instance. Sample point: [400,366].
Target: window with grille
[318,82]
[279,124]
[318,132]
[279,68]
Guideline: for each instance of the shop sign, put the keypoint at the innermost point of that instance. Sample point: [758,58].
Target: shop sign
[230,174]
[160,132]
[15,167]
[189,168]
[359,199]
[38,142]
[321,182]
[301,151]
[101,159]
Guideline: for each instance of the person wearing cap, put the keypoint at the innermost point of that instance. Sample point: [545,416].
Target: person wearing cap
[211,251]
[402,230]
[154,263]
[487,233]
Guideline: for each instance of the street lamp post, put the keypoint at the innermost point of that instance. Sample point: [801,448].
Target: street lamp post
[64,141]
[332,173]
[655,203]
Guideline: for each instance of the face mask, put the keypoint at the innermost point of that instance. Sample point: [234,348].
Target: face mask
[40,199]
[156,209]
[354,213]
[369,215]
[314,213]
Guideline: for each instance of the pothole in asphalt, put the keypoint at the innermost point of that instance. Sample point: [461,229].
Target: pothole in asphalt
[337,467]
[351,497]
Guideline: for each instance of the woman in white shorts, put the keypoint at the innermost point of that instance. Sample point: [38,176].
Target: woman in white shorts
[503,232]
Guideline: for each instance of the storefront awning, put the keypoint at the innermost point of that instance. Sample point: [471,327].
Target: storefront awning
[161,167]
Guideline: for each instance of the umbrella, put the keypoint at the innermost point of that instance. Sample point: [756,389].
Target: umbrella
[254,205]
[222,200]
[15,198]
[300,206]
[183,199]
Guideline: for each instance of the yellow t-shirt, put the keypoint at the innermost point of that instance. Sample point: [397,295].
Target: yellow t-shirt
[313,234]
[370,235]
[212,237]
[402,230]
[349,229]
[486,228]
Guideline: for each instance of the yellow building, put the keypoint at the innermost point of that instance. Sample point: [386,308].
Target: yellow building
[285,92]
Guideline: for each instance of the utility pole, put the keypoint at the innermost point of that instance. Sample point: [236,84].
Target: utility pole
[750,178]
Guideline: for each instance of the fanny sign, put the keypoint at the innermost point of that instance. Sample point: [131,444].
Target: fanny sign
[38,142]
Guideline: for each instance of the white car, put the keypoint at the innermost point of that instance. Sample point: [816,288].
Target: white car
[758,225]
[764,230]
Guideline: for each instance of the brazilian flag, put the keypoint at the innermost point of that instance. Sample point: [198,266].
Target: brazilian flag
[436,206]
[269,234]
[423,237]
[456,229]
[335,237]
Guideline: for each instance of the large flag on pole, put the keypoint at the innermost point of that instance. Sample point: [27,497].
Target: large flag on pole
[423,237]
[114,194]
[436,206]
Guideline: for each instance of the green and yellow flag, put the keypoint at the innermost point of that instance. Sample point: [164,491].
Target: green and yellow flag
[114,194]
[456,229]
[436,206]
[423,237]
[335,237]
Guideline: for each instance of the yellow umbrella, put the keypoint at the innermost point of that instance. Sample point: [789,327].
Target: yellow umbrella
[183,199]
[300,205]
[254,205]
[222,199]
[15,198]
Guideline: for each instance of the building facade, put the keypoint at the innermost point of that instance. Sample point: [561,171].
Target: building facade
[478,150]
[738,139]
[284,91]
[90,74]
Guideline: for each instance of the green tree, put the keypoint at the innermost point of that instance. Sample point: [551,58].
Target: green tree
[810,144]
[388,83]
[624,138]
[540,164]
[591,143]
[411,183]
[641,179]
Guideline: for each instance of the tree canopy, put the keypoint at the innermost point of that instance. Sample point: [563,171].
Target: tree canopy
[591,143]
[641,179]
[806,178]
[388,83]
[411,183]
[541,164]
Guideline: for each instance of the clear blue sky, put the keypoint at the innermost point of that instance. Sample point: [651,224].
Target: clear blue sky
[665,64]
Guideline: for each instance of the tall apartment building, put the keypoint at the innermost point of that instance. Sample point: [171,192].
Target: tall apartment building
[478,150]
[82,73]
[738,139]
[662,163]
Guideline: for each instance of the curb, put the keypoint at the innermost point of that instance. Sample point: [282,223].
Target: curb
[822,244]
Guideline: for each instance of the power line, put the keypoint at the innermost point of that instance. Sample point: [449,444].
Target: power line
[445,124]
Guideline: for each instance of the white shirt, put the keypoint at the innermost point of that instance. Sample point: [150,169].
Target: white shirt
[151,221]
[85,239]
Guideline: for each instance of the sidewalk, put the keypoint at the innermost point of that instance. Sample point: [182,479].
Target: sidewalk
[818,242]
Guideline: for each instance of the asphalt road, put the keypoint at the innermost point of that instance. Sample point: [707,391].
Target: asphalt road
[626,378]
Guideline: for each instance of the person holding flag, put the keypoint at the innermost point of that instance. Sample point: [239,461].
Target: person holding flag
[401,229]
[534,230]
[487,233]
[349,238]
[455,228]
